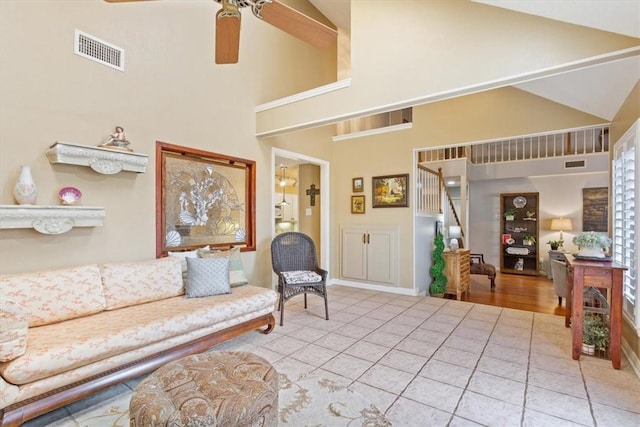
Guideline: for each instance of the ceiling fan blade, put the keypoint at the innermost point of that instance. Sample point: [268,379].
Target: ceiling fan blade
[227,37]
[297,24]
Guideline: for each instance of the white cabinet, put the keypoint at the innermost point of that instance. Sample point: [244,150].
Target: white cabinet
[370,253]
[290,210]
[286,216]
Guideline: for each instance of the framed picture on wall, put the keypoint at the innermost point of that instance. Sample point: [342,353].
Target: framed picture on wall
[357,204]
[357,185]
[203,198]
[595,205]
[390,191]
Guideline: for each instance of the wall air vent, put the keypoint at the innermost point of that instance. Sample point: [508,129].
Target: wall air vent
[574,164]
[99,51]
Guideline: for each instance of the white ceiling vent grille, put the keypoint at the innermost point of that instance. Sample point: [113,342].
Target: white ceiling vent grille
[97,50]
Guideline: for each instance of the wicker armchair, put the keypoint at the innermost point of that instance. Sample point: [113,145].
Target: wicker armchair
[294,260]
[478,266]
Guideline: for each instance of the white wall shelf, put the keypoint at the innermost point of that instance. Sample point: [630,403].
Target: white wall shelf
[102,160]
[50,219]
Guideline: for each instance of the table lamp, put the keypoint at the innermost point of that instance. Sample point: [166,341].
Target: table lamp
[455,234]
[561,224]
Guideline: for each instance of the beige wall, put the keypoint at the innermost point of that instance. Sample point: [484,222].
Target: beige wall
[627,115]
[171,91]
[309,224]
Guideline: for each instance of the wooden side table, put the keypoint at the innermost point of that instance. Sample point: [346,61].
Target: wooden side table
[599,274]
[457,265]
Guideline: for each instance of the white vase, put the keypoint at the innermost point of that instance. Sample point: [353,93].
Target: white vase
[591,252]
[25,189]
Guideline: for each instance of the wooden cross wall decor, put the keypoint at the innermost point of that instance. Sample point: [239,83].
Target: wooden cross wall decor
[312,192]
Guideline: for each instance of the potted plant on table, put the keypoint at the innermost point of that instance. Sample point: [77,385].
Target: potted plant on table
[595,334]
[592,244]
[555,244]
[439,284]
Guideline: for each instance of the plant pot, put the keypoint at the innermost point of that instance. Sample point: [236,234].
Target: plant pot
[509,217]
[588,349]
[554,248]
[437,295]
[591,252]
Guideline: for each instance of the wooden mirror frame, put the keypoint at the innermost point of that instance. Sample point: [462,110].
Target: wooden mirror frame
[246,197]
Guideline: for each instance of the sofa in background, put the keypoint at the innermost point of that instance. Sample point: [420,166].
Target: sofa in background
[68,333]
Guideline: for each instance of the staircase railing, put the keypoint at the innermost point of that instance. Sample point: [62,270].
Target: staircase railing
[434,198]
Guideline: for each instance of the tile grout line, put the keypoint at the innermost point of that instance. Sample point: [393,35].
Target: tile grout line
[423,365]
[526,379]
[473,371]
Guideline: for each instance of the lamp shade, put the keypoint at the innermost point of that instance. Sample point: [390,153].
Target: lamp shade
[561,224]
[455,231]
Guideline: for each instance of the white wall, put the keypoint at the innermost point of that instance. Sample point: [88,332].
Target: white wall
[425,233]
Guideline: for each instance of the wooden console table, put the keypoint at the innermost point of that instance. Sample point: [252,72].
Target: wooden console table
[599,274]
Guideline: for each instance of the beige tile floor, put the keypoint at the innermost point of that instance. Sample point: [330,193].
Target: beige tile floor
[434,362]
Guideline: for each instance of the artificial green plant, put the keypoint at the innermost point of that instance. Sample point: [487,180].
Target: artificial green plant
[439,283]
[595,331]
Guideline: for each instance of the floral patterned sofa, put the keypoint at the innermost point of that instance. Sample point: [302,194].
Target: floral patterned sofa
[68,333]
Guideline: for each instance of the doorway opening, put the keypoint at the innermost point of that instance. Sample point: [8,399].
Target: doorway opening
[302,183]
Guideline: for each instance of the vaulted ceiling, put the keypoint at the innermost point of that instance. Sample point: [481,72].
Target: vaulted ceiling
[598,90]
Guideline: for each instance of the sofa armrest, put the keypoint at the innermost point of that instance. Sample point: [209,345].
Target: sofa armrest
[14,328]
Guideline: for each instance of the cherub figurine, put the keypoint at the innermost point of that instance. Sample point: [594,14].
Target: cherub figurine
[117,140]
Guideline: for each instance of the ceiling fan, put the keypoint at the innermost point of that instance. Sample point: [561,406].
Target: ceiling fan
[273,12]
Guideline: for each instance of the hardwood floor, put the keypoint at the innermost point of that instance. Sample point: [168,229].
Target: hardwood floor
[530,293]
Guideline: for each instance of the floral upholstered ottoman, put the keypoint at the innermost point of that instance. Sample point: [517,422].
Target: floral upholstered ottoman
[210,389]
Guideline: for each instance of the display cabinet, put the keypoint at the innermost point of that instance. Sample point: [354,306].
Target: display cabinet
[519,233]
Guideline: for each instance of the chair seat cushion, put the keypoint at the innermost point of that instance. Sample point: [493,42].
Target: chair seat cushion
[488,269]
[301,276]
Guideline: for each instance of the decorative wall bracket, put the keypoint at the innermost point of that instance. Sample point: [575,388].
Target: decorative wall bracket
[50,219]
[102,160]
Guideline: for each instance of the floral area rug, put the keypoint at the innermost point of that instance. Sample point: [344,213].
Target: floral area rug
[308,400]
[315,401]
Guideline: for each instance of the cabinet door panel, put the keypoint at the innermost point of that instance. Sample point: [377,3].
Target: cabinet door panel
[381,252]
[354,254]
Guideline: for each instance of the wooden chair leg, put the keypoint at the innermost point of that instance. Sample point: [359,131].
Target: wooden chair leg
[305,300]
[559,300]
[493,282]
